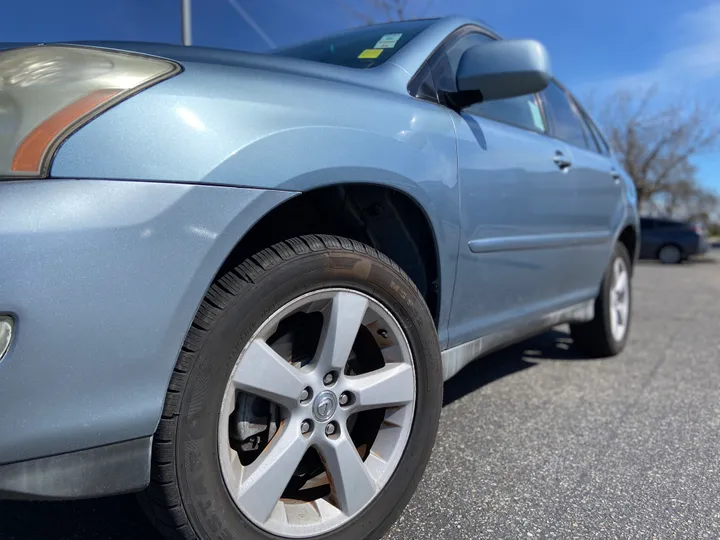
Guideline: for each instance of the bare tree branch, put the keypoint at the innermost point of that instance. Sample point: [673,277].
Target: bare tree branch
[656,144]
[387,10]
[363,17]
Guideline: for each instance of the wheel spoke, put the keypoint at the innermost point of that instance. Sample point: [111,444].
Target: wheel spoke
[264,481]
[351,481]
[340,329]
[262,372]
[621,283]
[625,309]
[389,386]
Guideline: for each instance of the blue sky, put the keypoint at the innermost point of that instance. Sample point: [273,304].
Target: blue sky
[595,46]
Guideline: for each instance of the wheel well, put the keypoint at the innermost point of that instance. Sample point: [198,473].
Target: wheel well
[629,239]
[386,219]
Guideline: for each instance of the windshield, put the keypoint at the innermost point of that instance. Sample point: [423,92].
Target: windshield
[360,48]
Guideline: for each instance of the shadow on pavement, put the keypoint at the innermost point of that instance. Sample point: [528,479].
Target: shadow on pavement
[552,345]
[113,518]
[120,518]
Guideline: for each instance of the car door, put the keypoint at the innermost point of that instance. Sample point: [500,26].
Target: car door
[516,208]
[598,187]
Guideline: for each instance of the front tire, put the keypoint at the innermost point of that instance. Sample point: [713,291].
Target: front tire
[305,401]
[607,334]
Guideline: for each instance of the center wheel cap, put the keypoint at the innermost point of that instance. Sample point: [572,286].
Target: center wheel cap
[324,406]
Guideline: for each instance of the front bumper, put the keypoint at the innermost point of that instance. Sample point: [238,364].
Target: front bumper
[103,279]
[107,470]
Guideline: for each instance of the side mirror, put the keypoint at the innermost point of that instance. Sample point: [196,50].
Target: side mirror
[504,69]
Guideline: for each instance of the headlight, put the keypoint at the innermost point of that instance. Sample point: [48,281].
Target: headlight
[49,91]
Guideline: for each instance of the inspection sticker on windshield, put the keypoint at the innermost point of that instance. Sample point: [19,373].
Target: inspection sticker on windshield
[388,41]
[370,53]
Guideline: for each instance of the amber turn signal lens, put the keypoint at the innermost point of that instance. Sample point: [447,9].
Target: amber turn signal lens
[29,155]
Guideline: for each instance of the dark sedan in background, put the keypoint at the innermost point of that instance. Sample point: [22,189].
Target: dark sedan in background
[671,241]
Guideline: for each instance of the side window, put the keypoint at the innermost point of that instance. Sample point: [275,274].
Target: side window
[423,86]
[522,111]
[446,63]
[604,146]
[593,135]
[564,120]
[589,136]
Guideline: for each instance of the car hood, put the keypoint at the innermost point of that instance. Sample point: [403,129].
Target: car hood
[387,75]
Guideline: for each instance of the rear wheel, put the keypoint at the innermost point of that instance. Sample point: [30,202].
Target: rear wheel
[607,334]
[670,254]
[305,401]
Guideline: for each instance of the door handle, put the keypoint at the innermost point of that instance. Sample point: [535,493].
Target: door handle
[561,161]
[615,175]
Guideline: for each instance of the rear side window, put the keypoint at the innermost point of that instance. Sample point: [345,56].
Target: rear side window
[602,143]
[565,123]
[592,142]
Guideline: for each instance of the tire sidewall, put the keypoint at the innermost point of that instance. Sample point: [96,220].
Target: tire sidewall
[208,505]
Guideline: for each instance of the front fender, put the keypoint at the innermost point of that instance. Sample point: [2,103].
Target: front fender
[216,125]
[419,164]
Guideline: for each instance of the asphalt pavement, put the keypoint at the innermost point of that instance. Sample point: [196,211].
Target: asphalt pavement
[536,442]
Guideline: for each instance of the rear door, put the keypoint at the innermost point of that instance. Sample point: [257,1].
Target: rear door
[516,204]
[599,203]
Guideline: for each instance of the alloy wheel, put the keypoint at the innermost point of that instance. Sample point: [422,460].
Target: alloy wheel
[619,299]
[317,413]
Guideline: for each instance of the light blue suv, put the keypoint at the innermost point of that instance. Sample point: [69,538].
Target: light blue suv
[236,282]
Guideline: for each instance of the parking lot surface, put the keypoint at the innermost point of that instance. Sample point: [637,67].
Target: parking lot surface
[536,442]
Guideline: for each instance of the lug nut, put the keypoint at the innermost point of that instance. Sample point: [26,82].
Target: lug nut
[305,395]
[329,429]
[344,398]
[305,427]
[382,333]
[329,378]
